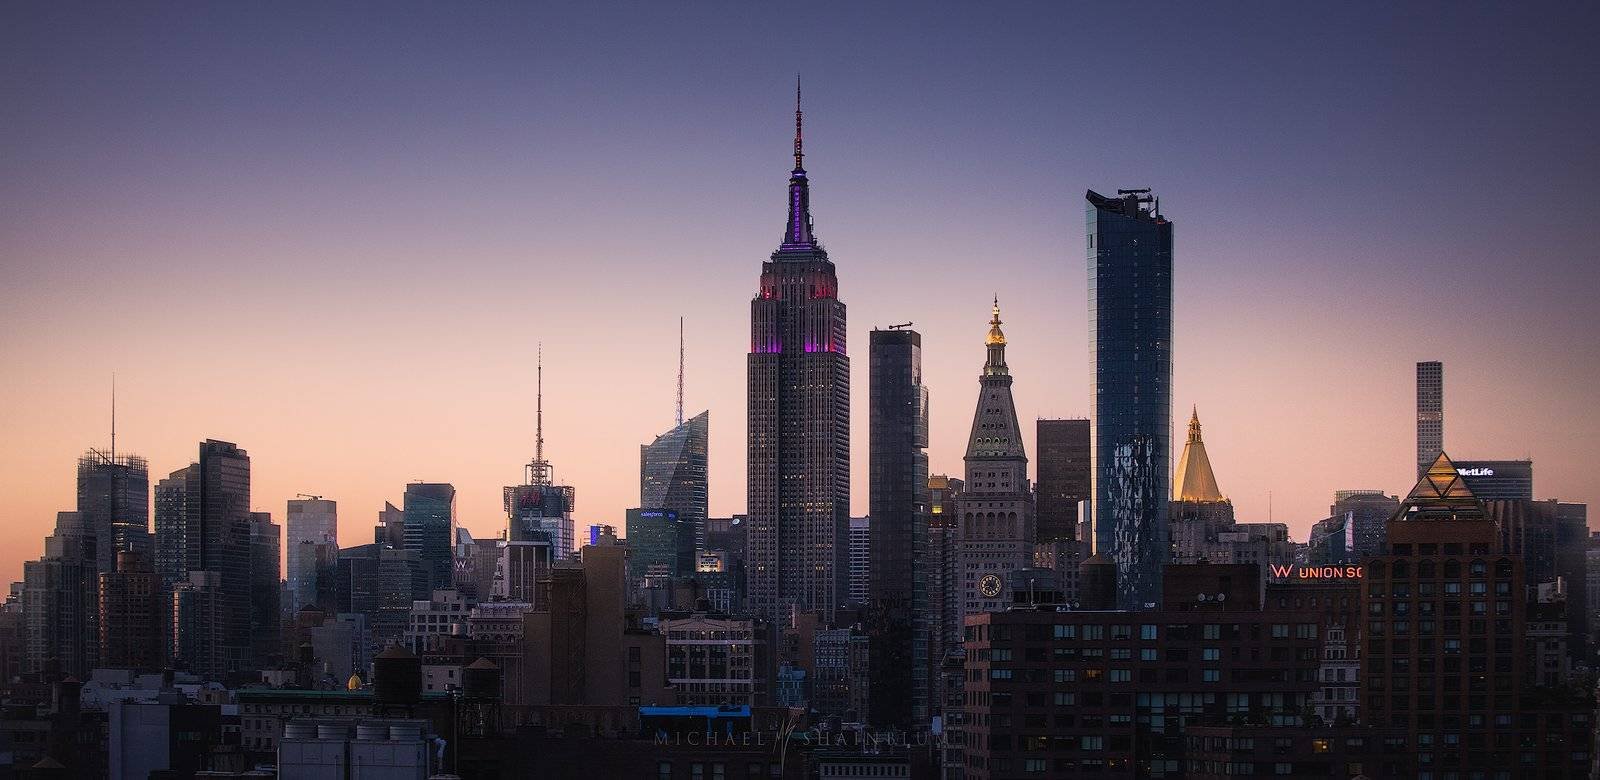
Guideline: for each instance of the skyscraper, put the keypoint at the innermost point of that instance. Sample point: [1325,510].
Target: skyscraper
[897,592]
[1430,414]
[996,506]
[266,588]
[660,547]
[538,511]
[859,568]
[131,618]
[1130,316]
[172,525]
[312,538]
[430,529]
[1063,479]
[211,608]
[114,500]
[60,601]
[799,422]
[672,474]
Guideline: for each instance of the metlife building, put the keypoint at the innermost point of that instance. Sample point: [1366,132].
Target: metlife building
[1490,480]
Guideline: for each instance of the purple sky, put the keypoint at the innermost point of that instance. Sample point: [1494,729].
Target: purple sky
[334,235]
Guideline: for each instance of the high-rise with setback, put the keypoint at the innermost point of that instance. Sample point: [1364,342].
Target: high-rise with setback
[1130,327]
[798,439]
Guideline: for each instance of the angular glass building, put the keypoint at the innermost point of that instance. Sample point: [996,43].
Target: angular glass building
[672,475]
[1130,325]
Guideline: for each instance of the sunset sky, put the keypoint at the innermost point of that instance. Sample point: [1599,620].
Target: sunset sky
[336,235]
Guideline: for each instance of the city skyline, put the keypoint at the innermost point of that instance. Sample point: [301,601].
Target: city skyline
[407,350]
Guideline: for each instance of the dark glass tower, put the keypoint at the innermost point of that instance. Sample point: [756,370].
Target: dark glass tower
[1130,322]
[1063,477]
[672,475]
[430,529]
[897,601]
[799,423]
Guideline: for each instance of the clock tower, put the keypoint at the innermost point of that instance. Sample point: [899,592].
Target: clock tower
[996,509]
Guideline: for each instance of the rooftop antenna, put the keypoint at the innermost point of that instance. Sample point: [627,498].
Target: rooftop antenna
[680,370]
[797,144]
[539,469]
[113,417]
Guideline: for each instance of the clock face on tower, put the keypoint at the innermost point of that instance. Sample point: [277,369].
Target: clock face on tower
[990,585]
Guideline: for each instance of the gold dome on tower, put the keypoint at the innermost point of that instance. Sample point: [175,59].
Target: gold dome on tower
[996,336]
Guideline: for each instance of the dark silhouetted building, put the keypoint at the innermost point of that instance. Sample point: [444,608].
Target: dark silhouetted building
[266,589]
[131,620]
[1130,314]
[60,602]
[897,593]
[1069,693]
[1064,477]
[211,604]
[1444,659]
[430,529]
[798,487]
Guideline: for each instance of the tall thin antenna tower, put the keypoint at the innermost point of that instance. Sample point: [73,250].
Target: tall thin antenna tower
[539,469]
[113,417]
[680,371]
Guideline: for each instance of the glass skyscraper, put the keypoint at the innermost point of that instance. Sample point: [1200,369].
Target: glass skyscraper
[672,475]
[897,566]
[1130,324]
[430,529]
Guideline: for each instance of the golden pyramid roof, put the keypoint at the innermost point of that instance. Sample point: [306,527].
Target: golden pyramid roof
[1194,480]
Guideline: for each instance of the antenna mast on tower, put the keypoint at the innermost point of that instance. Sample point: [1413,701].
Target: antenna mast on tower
[680,371]
[539,469]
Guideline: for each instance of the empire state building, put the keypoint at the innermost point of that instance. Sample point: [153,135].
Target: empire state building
[799,422]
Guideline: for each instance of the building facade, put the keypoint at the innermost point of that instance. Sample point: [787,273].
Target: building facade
[799,423]
[897,593]
[1130,314]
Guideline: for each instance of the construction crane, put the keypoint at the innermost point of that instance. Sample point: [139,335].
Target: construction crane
[308,495]
[901,325]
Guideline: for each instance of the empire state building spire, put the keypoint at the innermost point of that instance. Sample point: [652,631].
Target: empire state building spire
[797,233]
